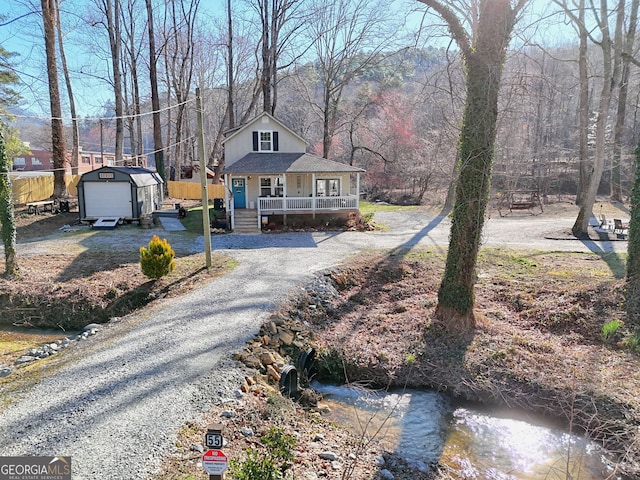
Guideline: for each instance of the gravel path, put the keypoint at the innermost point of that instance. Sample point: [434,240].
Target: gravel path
[116,400]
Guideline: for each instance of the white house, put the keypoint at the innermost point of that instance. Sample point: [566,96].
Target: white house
[269,176]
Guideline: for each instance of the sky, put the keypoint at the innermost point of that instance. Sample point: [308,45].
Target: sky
[21,32]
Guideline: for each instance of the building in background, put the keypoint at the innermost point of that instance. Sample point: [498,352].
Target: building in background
[42,160]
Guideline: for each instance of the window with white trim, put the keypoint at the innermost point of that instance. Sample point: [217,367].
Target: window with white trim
[265,142]
[271,186]
[328,187]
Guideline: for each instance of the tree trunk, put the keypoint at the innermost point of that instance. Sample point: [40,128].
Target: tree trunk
[57,133]
[155,98]
[583,108]
[484,63]
[633,250]
[581,225]
[623,55]
[113,26]
[7,215]
[75,147]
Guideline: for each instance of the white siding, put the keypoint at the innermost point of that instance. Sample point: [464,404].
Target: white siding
[241,143]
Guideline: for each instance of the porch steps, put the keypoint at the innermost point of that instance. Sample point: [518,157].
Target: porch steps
[246,221]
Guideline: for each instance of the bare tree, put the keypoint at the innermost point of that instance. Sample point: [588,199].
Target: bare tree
[623,50]
[75,143]
[585,213]
[111,10]
[180,42]
[155,98]
[347,37]
[57,131]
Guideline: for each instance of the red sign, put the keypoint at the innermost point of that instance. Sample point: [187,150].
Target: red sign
[214,462]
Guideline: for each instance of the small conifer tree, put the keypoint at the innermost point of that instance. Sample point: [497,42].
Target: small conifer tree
[158,260]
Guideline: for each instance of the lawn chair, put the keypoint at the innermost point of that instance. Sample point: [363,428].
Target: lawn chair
[603,222]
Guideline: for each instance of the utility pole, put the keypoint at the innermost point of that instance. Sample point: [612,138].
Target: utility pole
[203,181]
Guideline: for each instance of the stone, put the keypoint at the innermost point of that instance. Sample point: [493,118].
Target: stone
[25,359]
[273,373]
[246,431]
[380,461]
[197,447]
[286,337]
[228,414]
[5,371]
[273,329]
[92,326]
[318,437]
[328,455]
[386,474]
[267,358]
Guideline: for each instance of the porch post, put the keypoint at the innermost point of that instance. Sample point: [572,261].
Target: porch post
[313,196]
[284,191]
[358,190]
[227,182]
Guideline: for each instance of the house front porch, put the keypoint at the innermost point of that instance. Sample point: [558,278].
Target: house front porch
[291,206]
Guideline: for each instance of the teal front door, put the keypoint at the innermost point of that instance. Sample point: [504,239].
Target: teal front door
[239,193]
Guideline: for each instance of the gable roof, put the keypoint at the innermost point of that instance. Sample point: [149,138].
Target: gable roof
[278,163]
[229,134]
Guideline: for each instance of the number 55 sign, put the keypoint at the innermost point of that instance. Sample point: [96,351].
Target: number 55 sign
[213,437]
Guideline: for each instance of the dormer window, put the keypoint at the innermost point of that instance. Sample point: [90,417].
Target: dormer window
[265,141]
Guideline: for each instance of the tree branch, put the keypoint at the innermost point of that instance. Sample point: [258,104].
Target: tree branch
[456,28]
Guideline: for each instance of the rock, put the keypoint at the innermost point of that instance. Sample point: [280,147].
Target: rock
[246,431]
[25,359]
[54,346]
[92,326]
[380,461]
[5,371]
[318,437]
[197,447]
[267,358]
[228,414]
[386,474]
[286,336]
[273,329]
[273,373]
[331,456]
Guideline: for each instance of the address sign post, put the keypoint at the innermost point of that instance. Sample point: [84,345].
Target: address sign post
[214,461]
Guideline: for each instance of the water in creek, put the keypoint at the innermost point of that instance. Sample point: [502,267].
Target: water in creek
[424,427]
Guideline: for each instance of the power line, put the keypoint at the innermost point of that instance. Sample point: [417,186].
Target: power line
[124,117]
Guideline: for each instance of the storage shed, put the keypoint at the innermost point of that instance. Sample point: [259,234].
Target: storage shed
[122,192]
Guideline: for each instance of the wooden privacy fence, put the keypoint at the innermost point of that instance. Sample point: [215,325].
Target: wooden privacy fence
[33,189]
[193,190]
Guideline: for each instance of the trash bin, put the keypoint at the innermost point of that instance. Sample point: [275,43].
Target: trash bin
[218,203]
[64,206]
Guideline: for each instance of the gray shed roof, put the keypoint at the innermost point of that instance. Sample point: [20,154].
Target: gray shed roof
[278,163]
[141,177]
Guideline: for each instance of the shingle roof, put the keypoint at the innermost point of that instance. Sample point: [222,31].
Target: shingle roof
[277,163]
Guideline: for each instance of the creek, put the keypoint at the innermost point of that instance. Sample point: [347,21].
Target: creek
[424,427]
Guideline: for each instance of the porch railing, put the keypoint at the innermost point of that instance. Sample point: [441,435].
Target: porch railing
[307,203]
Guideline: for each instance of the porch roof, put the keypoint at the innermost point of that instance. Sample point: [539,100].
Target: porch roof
[279,163]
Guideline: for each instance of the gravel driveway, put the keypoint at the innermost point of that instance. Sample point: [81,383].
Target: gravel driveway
[116,400]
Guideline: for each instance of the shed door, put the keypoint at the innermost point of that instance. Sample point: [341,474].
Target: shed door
[107,199]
